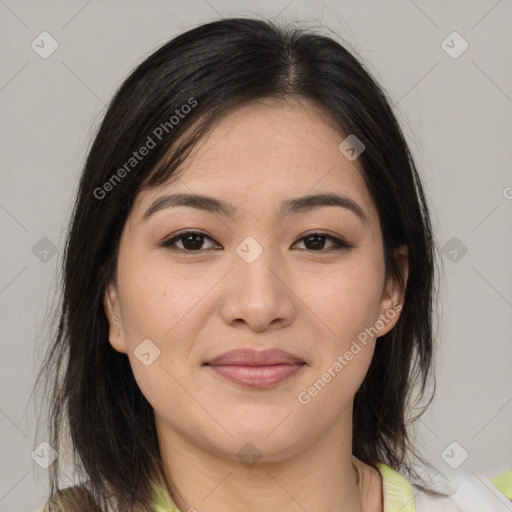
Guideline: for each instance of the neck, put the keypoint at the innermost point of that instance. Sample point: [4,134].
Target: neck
[322,476]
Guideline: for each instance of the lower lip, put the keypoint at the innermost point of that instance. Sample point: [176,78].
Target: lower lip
[257,376]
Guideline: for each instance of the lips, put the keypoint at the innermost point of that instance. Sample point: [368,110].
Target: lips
[248,357]
[256,369]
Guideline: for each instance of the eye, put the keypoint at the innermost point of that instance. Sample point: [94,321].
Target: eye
[193,241]
[316,242]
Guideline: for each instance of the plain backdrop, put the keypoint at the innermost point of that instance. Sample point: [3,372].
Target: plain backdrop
[455,106]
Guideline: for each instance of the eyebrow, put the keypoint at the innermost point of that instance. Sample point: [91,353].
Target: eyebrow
[218,206]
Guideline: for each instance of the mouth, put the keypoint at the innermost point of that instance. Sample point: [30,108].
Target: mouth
[250,368]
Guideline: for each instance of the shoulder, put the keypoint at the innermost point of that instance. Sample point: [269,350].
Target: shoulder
[437,492]
[429,501]
[459,493]
[76,498]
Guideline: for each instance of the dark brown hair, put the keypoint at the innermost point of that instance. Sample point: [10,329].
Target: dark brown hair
[92,397]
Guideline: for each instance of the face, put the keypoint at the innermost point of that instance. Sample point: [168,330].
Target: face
[308,280]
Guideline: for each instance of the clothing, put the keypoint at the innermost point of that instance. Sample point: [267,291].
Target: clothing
[503,482]
[455,493]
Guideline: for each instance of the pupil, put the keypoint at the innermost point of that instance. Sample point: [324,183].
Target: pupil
[315,245]
[193,245]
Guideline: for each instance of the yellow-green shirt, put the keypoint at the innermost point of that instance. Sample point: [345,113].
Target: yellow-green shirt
[457,493]
[400,496]
[397,493]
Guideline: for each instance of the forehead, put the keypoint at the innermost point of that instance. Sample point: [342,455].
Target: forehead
[266,152]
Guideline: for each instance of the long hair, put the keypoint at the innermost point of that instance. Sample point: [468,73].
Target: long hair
[175,97]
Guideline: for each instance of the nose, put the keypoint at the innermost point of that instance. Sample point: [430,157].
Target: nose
[259,293]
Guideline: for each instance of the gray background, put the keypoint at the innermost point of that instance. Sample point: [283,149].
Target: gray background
[456,113]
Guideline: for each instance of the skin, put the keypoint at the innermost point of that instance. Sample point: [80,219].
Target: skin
[312,302]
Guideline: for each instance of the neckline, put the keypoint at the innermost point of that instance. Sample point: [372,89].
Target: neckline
[398,495]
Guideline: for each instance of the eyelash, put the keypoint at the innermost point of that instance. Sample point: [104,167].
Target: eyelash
[338,244]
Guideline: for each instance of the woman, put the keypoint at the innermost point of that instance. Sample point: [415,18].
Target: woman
[249,284]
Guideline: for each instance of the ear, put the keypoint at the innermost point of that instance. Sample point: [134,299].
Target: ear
[112,310]
[393,295]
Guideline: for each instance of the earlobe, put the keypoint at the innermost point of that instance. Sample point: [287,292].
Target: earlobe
[111,307]
[393,297]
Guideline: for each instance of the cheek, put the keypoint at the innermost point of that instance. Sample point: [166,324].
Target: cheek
[159,299]
[161,306]
[346,305]
[345,300]
[168,307]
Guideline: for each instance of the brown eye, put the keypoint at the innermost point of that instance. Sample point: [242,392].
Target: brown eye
[191,241]
[316,242]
